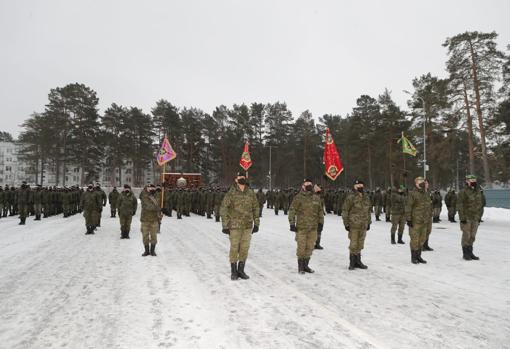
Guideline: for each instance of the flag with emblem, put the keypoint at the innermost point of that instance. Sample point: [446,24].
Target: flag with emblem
[407,146]
[245,161]
[166,152]
[332,163]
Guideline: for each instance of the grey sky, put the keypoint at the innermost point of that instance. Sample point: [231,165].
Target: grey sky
[316,55]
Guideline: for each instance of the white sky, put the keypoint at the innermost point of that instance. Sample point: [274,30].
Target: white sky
[316,54]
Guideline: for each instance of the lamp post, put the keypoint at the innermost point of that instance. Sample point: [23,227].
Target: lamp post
[424,135]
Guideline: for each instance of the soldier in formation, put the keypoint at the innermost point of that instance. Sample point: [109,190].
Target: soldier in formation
[470,205]
[112,200]
[418,211]
[357,219]
[150,219]
[451,204]
[306,219]
[240,219]
[126,205]
[92,206]
[396,207]
[437,203]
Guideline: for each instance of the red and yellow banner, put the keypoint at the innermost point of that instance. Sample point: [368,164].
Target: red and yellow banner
[332,163]
[245,161]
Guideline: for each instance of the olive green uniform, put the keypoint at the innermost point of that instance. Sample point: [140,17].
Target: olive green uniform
[357,219]
[126,205]
[418,211]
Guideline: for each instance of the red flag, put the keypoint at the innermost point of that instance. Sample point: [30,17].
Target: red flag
[245,161]
[166,153]
[332,163]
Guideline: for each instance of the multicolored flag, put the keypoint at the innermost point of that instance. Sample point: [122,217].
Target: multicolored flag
[407,146]
[245,161]
[166,153]
[332,163]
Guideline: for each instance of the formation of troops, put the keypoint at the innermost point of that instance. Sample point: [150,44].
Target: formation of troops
[239,209]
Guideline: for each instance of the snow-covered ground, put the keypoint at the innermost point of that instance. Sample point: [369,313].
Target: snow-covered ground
[62,289]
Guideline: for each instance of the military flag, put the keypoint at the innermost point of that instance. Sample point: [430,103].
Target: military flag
[407,146]
[245,161]
[166,153]
[332,163]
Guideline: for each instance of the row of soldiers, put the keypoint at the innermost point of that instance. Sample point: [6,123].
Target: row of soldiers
[39,201]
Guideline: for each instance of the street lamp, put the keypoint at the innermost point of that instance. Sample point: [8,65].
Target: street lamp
[424,134]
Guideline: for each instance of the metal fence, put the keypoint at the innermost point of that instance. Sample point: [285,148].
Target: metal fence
[497,198]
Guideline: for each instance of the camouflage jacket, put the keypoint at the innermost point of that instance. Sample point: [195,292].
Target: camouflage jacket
[113,197]
[356,210]
[90,201]
[126,204]
[397,203]
[418,207]
[450,199]
[306,211]
[469,204]
[239,209]
[150,208]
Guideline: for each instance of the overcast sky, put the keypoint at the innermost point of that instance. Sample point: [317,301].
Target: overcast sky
[314,54]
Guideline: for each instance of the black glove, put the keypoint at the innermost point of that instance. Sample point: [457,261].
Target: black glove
[226,231]
[292,227]
[409,224]
[368,227]
[463,222]
[320,227]
[255,229]
[347,228]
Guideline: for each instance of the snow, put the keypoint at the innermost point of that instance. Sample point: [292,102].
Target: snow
[62,289]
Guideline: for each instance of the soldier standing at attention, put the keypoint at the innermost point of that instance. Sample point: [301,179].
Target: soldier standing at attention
[451,204]
[38,202]
[426,246]
[240,219]
[112,199]
[102,197]
[127,205]
[357,219]
[318,192]
[23,196]
[91,203]
[470,206]
[306,219]
[418,211]
[378,203]
[261,197]
[397,208]
[150,218]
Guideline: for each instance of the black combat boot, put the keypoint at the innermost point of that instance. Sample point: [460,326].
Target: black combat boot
[414,259]
[352,264]
[377,218]
[217,218]
[418,257]
[146,253]
[393,239]
[359,263]
[388,219]
[153,249]
[426,246]
[301,265]
[400,241]
[22,221]
[179,216]
[127,233]
[318,244]
[473,257]
[209,216]
[90,230]
[465,253]
[240,271]
[122,233]
[306,268]
[233,271]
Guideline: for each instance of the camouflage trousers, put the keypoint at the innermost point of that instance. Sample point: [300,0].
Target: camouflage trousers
[37,209]
[436,211]
[469,230]
[91,217]
[451,212]
[305,239]
[23,211]
[418,235]
[113,210]
[398,221]
[150,232]
[125,222]
[377,210]
[357,237]
[429,228]
[239,244]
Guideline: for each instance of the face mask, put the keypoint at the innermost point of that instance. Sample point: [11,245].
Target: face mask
[422,185]
[401,192]
[473,184]
[242,181]
[360,189]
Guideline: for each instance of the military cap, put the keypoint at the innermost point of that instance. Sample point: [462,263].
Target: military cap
[359,181]
[470,176]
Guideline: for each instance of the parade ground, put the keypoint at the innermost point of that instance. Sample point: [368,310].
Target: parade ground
[62,289]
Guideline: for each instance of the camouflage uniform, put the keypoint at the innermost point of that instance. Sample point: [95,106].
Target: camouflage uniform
[37,197]
[112,199]
[470,206]
[150,221]
[240,218]
[357,219]
[2,202]
[451,204]
[306,217]
[418,211]
[23,200]
[396,207]
[91,203]
[437,202]
[126,205]
[261,197]
[378,203]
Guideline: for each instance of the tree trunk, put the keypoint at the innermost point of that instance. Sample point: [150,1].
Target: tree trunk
[370,167]
[485,160]
[470,131]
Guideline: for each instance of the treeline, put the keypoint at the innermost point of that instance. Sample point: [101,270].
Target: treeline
[467,131]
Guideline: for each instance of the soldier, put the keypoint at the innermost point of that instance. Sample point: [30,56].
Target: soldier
[150,219]
[451,204]
[396,206]
[218,198]
[179,203]
[387,210]
[240,219]
[426,246]
[103,198]
[319,193]
[357,219]
[261,198]
[306,218]
[209,203]
[484,203]
[418,211]
[112,199]
[378,203]
[278,201]
[126,205]
[37,197]
[2,201]
[470,206]
[23,199]
[91,203]
[437,202]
